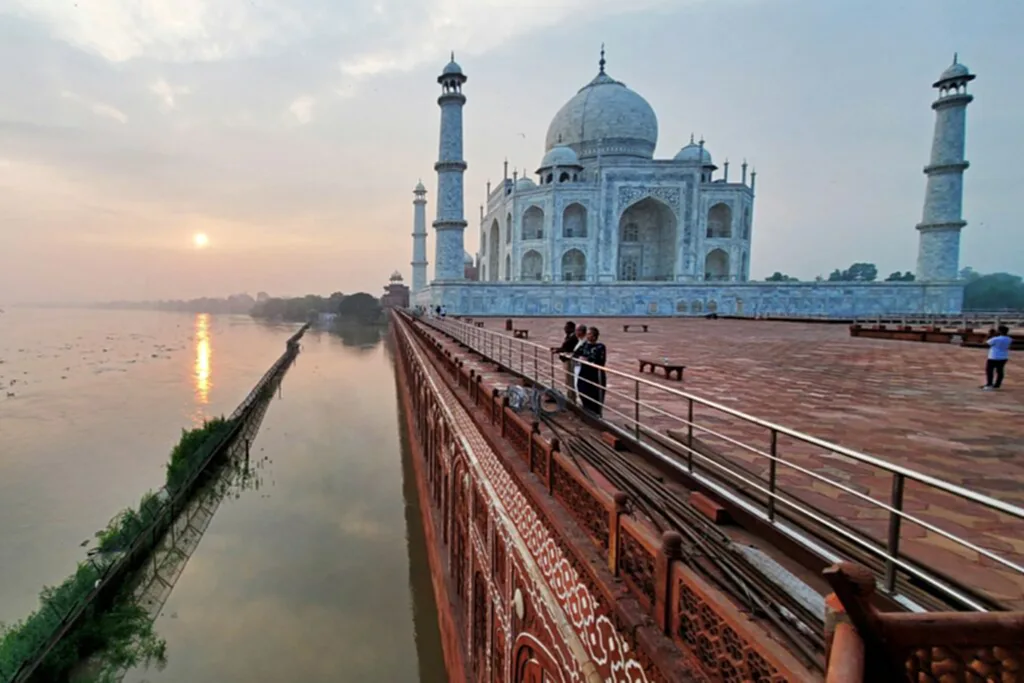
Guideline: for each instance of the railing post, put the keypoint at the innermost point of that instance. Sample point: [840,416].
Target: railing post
[549,468]
[531,449]
[618,509]
[476,396]
[536,374]
[671,549]
[689,435]
[494,399]
[895,518]
[504,414]
[636,409]
[772,471]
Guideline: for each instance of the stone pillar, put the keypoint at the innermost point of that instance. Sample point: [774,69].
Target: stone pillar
[938,257]
[419,239]
[449,252]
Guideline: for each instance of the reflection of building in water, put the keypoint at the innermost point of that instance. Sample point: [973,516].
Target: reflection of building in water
[396,294]
[607,228]
[202,369]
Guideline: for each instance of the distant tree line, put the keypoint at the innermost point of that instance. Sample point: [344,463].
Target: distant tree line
[990,292]
[236,303]
[359,307]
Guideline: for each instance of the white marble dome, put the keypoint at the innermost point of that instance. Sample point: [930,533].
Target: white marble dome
[605,117]
[452,67]
[525,183]
[693,152]
[955,70]
[560,155]
[420,189]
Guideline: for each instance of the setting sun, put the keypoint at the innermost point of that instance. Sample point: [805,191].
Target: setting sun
[200,240]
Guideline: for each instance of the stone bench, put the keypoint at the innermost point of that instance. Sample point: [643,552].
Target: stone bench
[625,328]
[668,366]
[521,334]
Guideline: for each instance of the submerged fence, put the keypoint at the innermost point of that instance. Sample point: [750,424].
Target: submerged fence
[98,580]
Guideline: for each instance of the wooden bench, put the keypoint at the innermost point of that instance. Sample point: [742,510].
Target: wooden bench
[668,366]
[521,334]
[625,328]
[479,324]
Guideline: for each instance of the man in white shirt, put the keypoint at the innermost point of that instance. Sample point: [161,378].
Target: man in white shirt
[998,353]
[581,339]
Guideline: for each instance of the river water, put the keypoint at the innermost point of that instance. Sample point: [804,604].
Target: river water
[319,574]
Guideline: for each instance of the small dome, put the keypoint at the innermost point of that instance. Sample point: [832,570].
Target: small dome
[525,183]
[396,276]
[955,72]
[468,259]
[419,188]
[452,67]
[692,152]
[560,156]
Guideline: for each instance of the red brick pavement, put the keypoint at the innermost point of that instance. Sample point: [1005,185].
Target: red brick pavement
[917,405]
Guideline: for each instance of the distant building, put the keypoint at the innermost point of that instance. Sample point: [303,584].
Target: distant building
[396,293]
[471,269]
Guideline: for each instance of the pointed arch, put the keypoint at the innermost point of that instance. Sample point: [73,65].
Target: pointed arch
[574,221]
[720,221]
[532,266]
[716,265]
[533,224]
[647,241]
[508,267]
[574,266]
[493,255]
[508,228]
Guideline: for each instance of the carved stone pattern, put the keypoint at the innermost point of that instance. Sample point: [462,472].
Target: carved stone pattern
[631,193]
[637,564]
[479,651]
[584,508]
[721,652]
[500,568]
[604,644]
[518,436]
[498,653]
[941,663]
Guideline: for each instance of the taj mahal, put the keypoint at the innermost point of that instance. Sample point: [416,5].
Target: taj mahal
[608,229]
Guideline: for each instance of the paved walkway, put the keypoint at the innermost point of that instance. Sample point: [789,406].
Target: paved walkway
[914,404]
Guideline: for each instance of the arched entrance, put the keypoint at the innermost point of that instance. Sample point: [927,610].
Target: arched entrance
[494,242]
[533,664]
[716,265]
[647,241]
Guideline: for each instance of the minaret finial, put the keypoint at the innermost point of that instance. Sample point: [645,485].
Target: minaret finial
[602,62]
[954,57]
[453,55]
[691,138]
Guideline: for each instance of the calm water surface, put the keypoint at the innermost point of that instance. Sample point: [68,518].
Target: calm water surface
[320,574]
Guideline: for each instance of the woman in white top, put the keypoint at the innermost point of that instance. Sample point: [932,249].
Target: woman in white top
[581,339]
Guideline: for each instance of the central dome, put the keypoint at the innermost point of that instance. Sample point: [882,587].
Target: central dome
[607,118]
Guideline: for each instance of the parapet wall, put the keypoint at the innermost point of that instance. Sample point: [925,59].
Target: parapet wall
[542,569]
[797,299]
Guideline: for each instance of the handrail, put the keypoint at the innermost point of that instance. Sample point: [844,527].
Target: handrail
[509,347]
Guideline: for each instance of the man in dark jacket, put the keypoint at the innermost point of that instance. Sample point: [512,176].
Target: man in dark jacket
[566,349]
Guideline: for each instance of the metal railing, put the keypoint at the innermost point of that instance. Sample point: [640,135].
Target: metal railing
[788,461]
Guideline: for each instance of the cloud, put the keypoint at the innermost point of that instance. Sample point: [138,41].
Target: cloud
[302,109]
[98,108]
[167,92]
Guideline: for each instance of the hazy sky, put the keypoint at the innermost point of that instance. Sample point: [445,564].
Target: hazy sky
[293,131]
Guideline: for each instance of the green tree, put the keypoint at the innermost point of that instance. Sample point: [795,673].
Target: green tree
[780,277]
[361,306]
[994,292]
[901,277]
[858,272]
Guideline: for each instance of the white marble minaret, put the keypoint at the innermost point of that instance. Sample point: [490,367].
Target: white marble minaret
[938,256]
[419,238]
[451,222]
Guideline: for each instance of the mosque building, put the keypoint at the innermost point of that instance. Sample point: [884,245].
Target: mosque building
[608,229]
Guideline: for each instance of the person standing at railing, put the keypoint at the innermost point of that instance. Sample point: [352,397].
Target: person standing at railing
[591,378]
[581,340]
[567,347]
[999,343]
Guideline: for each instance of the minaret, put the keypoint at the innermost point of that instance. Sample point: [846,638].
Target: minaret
[449,252]
[419,238]
[938,255]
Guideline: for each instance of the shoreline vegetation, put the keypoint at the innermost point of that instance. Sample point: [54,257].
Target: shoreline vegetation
[124,632]
[90,603]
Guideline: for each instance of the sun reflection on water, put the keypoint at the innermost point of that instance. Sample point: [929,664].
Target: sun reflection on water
[203,353]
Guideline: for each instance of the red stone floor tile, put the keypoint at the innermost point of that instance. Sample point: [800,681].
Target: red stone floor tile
[912,404]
